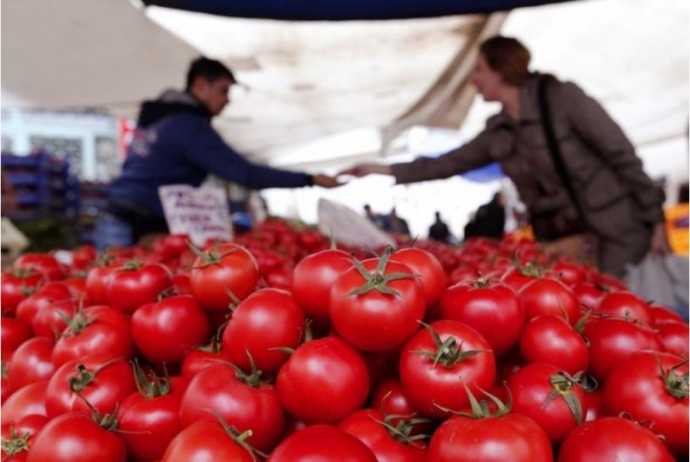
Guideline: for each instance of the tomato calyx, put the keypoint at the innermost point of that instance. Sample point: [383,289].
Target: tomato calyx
[83,377]
[237,437]
[76,323]
[448,352]
[151,385]
[254,378]
[676,384]
[378,280]
[16,444]
[132,265]
[212,257]
[563,383]
[401,430]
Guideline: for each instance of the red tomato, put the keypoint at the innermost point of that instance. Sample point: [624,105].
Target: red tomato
[208,440]
[49,320]
[674,336]
[438,360]
[491,309]
[13,333]
[45,297]
[75,437]
[612,438]
[512,437]
[313,278]
[552,340]
[518,277]
[102,379]
[553,399]
[548,296]
[149,419]
[377,305]
[317,397]
[30,399]
[18,436]
[96,329]
[388,441]
[227,268]
[611,340]
[662,315]
[280,278]
[135,284]
[653,387]
[588,293]
[98,279]
[165,331]
[428,268]
[242,401]
[594,403]
[625,305]
[6,389]
[83,257]
[262,323]
[200,358]
[322,442]
[569,273]
[31,362]
[43,263]
[170,246]
[16,285]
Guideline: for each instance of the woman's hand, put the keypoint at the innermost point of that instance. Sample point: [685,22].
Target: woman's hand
[659,244]
[326,181]
[366,169]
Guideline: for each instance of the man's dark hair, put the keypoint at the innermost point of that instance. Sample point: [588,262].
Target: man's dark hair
[210,69]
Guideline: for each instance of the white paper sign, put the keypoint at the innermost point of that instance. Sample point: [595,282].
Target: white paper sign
[200,213]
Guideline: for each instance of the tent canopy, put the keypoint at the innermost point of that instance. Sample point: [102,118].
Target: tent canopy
[327,93]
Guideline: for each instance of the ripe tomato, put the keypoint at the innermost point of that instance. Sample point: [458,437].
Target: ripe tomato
[96,329]
[13,333]
[569,273]
[612,438]
[313,278]
[18,436]
[322,442]
[208,440]
[377,304]
[49,320]
[491,309]
[31,362]
[429,270]
[262,323]
[102,379]
[165,331]
[512,437]
[552,340]
[200,358]
[438,360]
[98,279]
[317,397]
[243,401]
[43,263]
[387,440]
[674,336]
[227,268]
[76,437]
[662,315]
[653,387]
[552,398]
[548,296]
[135,284]
[588,293]
[625,305]
[30,399]
[45,297]
[16,285]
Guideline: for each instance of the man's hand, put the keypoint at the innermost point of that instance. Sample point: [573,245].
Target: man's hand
[326,181]
[659,244]
[366,169]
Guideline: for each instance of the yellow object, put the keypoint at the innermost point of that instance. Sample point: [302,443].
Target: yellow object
[677,228]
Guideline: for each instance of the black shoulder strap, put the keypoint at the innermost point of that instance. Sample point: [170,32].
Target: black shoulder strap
[554,149]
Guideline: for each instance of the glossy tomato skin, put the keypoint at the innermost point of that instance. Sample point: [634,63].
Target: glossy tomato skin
[28,400]
[674,337]
[165,331]
[233,269]
[612,438]
[242,406]
[322,442]
[375,321]
[111,381]
[626,305]
[315,396]
[49,320]
[45,297]
[368,426]
[14,333]
[313,278]
[636,387]
[512,437]
[200,358]
[26,427]
[428,268]
[106,331]
[493,310]
[43,263]
[97,281]
[148,424]
[31,362]
[135,284]
[203,441]
[552,340]
[531,388]
[75,437]
[264,322]
[431,386]
[548,296]
[15,286]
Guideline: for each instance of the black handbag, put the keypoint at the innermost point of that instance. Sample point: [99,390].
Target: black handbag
[553,225]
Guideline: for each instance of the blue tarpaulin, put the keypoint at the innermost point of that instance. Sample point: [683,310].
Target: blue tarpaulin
[344,10]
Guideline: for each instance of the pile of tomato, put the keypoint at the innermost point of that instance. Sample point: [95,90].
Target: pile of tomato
[282,346]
